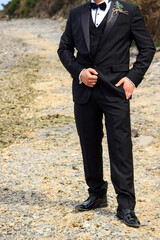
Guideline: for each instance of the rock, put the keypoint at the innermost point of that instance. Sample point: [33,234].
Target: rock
[103,233]
[39,36]
[141,199]
[28,195]
[135,234]
[107,233]
[74,167]
[54,18]
[144,141]
[86,225]
[61,19]
[134,133]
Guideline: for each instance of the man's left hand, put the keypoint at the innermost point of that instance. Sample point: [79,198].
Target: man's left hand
[127,85]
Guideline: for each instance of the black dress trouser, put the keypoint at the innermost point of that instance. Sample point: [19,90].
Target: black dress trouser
[90,129]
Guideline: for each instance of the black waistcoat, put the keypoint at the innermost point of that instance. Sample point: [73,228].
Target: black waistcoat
[96,34]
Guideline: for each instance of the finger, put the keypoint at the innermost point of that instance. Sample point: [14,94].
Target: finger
[92,78]
[94,83]
[128,95]
[90,85]
[119,83]
[128,89]
[93,71]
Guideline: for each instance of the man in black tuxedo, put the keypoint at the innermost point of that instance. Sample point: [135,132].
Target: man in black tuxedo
[102,33]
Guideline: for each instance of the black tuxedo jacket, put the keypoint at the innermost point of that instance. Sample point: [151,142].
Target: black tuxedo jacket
[112,57]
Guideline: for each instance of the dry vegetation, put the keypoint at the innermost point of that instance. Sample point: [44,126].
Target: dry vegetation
[18,117]
[16,94]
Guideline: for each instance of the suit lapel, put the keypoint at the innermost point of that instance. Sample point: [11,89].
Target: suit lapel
[85,14]
[111,19]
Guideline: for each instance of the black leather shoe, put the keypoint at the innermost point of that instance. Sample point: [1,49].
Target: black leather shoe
[92,202]
[129,217]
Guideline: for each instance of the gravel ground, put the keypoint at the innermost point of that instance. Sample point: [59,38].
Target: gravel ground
[42,175]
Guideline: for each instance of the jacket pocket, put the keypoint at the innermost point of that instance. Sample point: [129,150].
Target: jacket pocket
[120,68]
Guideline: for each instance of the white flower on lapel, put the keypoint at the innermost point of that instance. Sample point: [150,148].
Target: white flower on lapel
[118,8]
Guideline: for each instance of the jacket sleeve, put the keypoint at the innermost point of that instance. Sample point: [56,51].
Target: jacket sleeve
[145,45]
[66,51]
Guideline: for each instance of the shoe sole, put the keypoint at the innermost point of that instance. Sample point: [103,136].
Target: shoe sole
[102,205]
[129,225]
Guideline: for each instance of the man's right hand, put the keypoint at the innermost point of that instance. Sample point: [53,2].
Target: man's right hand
[89,77]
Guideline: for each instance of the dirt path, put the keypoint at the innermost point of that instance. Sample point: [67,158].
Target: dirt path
[41,164]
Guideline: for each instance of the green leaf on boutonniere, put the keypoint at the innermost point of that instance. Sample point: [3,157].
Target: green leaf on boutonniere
[118,8]
[118,5]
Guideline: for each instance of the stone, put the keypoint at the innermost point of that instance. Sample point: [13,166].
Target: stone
[86,225]
[39,36]
[135,234]
[141,199]
[134,133]
[144,140]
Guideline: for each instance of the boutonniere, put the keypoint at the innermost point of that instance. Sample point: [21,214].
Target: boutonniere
[118,8]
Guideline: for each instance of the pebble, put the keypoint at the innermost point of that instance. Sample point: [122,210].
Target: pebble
[144,141]
[134,133]
[135,234]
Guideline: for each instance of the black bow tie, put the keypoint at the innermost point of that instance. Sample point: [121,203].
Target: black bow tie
[102,6]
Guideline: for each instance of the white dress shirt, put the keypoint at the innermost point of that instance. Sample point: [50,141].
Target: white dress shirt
[98,14]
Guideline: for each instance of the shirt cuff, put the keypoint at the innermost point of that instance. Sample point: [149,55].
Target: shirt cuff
[130,81]
[80,81]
